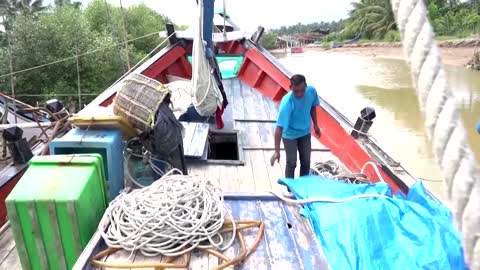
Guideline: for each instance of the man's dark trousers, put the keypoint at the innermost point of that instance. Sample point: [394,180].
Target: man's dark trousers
[304,148]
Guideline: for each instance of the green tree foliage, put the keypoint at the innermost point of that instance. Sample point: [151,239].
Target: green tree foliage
[39,36]
[269,40]
[137,20]
[334,26]
[374,18]
[55,36]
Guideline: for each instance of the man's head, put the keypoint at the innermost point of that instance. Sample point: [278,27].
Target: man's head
[298,84]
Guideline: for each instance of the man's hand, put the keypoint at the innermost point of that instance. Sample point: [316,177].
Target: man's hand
[275,156]
[317,130]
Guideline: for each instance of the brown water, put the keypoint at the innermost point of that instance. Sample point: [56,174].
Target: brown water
[351,82]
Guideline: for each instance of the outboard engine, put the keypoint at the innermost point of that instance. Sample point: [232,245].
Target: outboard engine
[364,122]
[17,145]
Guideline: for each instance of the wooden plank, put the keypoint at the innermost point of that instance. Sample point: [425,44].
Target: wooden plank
[253,135]
[249,105]
[267,134]
[7,244]
[212,261]
[187,139]
[199,140]
[178,260]
[258,107]
[140,258]
[274,172]
[272,108]
[245,175]
[238,102]
[306,245]
[11,262]
[121,256]
[260,175]
[242,133]
[199,260]
[213,174]
[247,210]
[232,171]
[278,237]
[228,178]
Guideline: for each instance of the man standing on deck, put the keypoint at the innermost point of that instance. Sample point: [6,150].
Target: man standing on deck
[296,114]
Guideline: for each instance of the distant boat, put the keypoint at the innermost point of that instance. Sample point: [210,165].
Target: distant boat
[296,50]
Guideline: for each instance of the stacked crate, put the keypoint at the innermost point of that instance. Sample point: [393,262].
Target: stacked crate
[55,209]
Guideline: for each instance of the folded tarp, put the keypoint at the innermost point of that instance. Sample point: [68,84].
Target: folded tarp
[412,232]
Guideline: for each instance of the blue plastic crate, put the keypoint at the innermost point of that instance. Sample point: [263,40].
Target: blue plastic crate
[107,143]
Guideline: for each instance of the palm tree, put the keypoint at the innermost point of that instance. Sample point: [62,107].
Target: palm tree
[372,17]
[15,7]
[9,9]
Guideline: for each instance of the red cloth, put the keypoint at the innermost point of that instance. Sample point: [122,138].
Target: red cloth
[218,117]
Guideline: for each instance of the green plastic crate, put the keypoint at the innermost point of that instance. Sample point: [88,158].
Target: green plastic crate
[55,209]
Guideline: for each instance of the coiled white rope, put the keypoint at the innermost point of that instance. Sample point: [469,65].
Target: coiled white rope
[174,215]
[443,121]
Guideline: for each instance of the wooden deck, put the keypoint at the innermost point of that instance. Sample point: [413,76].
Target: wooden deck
[254,116]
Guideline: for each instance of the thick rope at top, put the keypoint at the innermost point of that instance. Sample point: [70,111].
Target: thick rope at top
[443,121]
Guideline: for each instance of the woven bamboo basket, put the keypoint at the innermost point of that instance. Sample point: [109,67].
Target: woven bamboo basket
[138,100]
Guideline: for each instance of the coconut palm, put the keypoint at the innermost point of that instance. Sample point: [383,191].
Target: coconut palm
[11,8]
[372,17]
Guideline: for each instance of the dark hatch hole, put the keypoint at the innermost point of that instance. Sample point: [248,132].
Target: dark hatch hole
[223,146]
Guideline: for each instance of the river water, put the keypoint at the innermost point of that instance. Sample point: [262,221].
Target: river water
[351,82]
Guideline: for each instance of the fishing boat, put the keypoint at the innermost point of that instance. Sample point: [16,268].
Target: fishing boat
[34,124]
[236,156]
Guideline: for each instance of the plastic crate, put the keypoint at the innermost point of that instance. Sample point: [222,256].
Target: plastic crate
[55,209]
[108,143]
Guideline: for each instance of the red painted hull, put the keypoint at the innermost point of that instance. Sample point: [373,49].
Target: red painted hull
[5,189]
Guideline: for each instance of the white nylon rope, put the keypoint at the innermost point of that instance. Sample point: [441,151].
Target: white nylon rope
[173,216]
[443,121]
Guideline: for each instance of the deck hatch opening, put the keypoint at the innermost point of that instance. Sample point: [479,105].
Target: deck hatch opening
[223,146]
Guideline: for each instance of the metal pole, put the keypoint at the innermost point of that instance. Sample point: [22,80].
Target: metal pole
[224,18]
[12,78]
[125,34]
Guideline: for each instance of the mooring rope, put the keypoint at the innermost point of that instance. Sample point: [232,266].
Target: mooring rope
[171,217]
[443,121]
[330,169]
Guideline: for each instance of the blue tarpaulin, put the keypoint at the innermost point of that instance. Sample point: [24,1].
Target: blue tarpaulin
[411,232]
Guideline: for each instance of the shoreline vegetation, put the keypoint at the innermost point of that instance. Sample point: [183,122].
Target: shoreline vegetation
[371,28]
[456,52]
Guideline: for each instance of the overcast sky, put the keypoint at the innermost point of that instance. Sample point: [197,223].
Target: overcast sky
[248,14]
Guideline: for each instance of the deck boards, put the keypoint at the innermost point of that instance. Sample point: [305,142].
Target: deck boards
[254,116]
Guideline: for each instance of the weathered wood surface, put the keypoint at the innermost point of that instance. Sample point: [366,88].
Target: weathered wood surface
[195,139]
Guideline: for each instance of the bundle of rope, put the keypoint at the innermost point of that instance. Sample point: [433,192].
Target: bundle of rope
[172,216]
[443,121]
[330,169]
